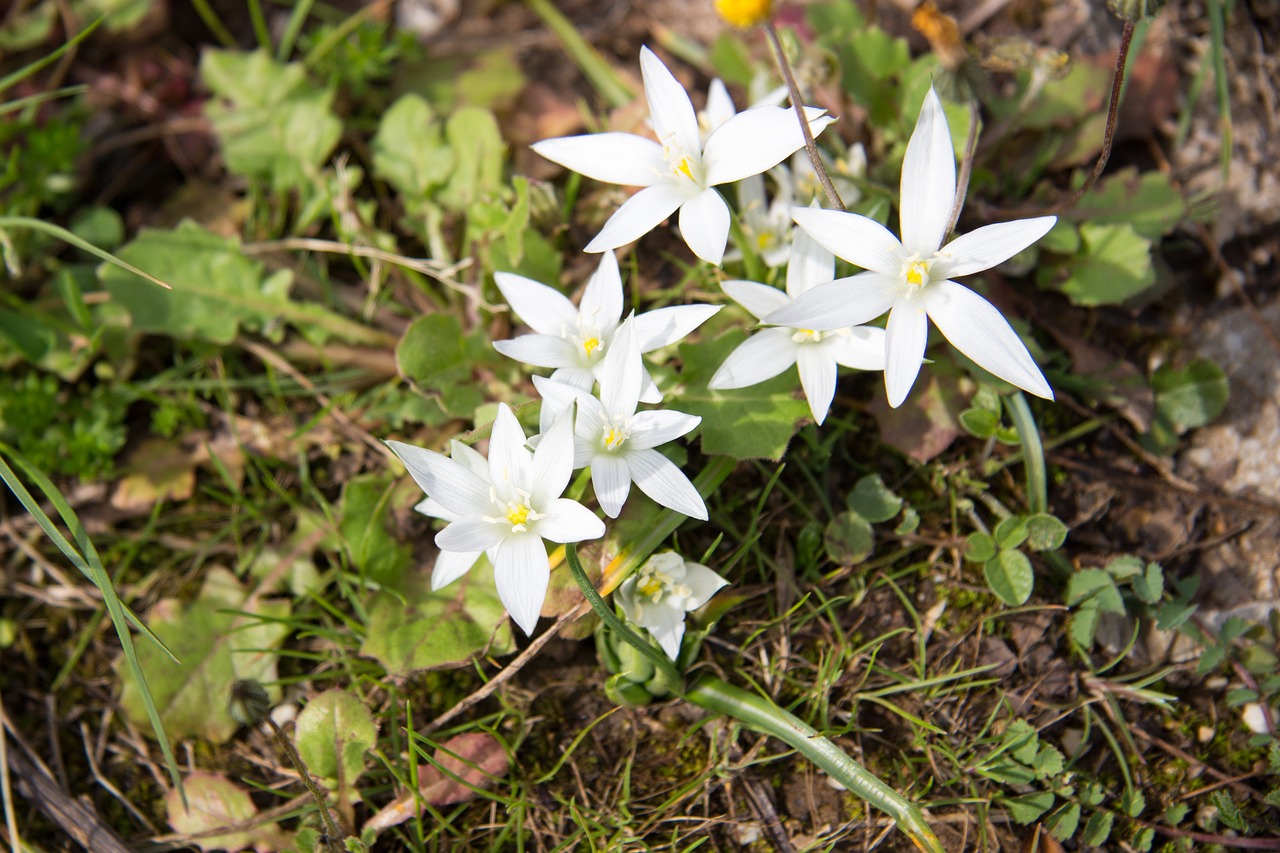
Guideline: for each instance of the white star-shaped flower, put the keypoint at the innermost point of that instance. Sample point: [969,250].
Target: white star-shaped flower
[816,354]
[574,340]
[662,591]
[679,172]
[911,278]
[509,513]
[450,565]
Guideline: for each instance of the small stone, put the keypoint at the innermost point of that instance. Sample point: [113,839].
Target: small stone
[1254,718]
[746,834]
[1204,734]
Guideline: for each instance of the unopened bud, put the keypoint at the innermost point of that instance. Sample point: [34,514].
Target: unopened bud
[1135,11]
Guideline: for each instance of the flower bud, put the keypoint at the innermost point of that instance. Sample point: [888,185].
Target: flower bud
[1134,11]
[745,13]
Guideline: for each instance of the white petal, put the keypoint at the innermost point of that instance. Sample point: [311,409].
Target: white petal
[467,455]
[509,462]
[613,158]
[460,490]
[471,534]
[755,141]
[638,216]
[906,334]
[621,373]
[650,429]
[577,376]
[759,299]
[928,180]
[544,309]
[659,478]
[601,304]
[552,464]
[611,480]
[664,326]
[817,377]
[540,350]
[666,625]
[704,225]
[844,302]
[811,264]
[568,521]
[521,571]
[862,349]
[990,245]
[703,583]
[432,508]
[451,565]
[719,108]
[557,399]
[760,357]
[859,240]
[669,105]
[976,328]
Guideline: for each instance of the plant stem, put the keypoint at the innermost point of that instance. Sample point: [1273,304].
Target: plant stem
[1109,136]
[330,827]
[763,715]
[798,105]
[966,168]
[1033,452]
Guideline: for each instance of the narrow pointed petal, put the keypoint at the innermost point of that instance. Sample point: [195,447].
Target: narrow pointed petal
[471,534]
[811,264]
[601,303]
[976,328]
[703,584]
[588,427]
[638,215]
[666,625]
[650,429]
[669,105]
[719,108]
[861,241]
[755,141]
[818,378]
[928,180]
[578,377]
[557,399]
[611,480]
[552,463]
[649,392]
[539,350]
[569,521]
[508,460]
[862,349]
[906,335]
[612,158]
[659,478]
[458,489]
[759,299]
[664,326]
[432,508]
[844,302]
[543,309]
[704,225]
[990,245]
[622,373]
[760,357]
[465,454]
[521,572]
[451,565]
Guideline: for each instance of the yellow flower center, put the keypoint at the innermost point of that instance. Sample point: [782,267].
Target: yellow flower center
[682,168]
[802,335]
[745,13]
[518,515]
[764,240]
[591,345]
[918,273]
[614,437]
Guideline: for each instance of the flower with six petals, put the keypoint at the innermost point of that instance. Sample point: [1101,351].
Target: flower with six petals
[662,591]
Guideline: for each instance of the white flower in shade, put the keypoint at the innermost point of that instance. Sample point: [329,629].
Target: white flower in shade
[679,172]
[574,340]
[509,513]
[816,353]
[662,591]
[450,565]
[618,442]
[911,278]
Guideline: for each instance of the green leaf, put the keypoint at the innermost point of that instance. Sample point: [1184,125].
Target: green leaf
[1143,839]
[1193,396]
[1022,741]
[1062,824]
[849,539]
[873,500]
[419,629]
[274,124]
[1147,201]
[373,551]
[333,733]
[980,423]
[1045,532]
[748,423]
[221,637]
[1124,567]
[1095,585]
[1098,829]
[1149,586]
[1010,532]
[1027,807]
[1010,577]
[479,155]
[1084,624]
[439,360]
[1132,802]
[1114,264]
[979,547]
[409,151]
[1049,762]
[1176,814]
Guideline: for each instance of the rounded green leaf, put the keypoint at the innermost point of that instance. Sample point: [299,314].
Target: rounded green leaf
[873,500]
[1010,576]
[849,539]
[979,547]
[979,423]
[333,733]
[1011,532]
[1045,532]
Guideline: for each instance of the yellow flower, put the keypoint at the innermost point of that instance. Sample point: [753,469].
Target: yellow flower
[745,13]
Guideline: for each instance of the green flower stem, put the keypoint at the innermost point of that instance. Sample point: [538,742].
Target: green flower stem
[599,72]
[1033,452]
[763,715]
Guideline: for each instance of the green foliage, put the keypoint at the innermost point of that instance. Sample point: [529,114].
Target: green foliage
[440,361]
[212,802]
[359,58]
[1125,585]
[1008,572]
[873,500]
[76,432]
[1185,399]
[848,539]
[333,734]
[1112,266]
[373,550]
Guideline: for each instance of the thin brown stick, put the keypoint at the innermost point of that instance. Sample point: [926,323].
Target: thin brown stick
[966,168]
[1113,110]
[798,105]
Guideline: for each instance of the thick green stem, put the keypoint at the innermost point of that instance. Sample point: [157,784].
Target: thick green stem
[1032,450]
[763,715]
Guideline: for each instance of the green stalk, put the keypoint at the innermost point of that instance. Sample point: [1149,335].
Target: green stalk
[763,715]
[598,72]
[1033,452]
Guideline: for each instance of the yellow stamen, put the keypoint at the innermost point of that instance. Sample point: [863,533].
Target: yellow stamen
[683,168]
[745,13]
[917,273]
[517,514]
[802,335]
[650,586]
[591,345]
[764,240]
[613,438]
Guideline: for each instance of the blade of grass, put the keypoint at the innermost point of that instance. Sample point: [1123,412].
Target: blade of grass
[214,23]
[594,66]
[15,77]
[33,100]
[1217,49]
[259,22]
[298,17]
[75,240]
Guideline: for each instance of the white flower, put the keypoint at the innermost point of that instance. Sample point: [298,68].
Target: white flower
[574,340]
[766,354]
[450,565]
[618,442]
[662,591]
[508,514]
[679,172]
[911,278]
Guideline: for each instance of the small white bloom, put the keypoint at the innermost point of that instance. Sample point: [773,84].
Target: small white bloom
[911,278]
[510,512]
[679,171]
[574,340]
[450,565]
[816,353]
[662,591]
